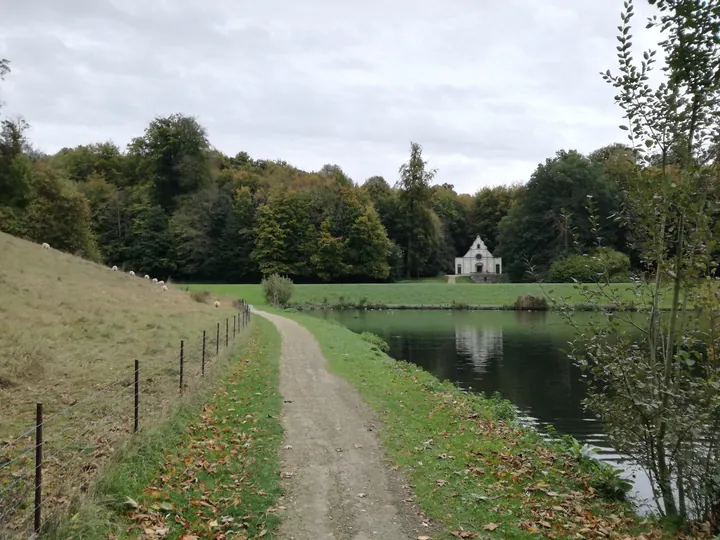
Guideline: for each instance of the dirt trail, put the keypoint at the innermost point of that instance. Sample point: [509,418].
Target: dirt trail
[341,486]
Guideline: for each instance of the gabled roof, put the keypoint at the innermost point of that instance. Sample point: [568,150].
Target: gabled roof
[478,240]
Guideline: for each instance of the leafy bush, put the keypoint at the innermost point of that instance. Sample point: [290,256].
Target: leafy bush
[376,340]
[604,478]
[277,289]
[591,268]
[531,302]
[498,407]
[459,304]
[200,296]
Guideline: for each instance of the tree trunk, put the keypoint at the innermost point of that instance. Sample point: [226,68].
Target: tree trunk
[664,480]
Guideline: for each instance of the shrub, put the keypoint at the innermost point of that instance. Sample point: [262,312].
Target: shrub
[375,340]
[531,302]
[604,478]
[200,296]
[277,289]
[590,268]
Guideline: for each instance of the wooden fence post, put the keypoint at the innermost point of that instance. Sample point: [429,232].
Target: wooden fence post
[137,396]
[182,362]
[38,465]
[202,368]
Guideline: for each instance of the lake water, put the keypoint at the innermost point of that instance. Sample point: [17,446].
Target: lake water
[520,355]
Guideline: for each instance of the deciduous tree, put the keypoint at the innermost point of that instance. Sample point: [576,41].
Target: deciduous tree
[659,396]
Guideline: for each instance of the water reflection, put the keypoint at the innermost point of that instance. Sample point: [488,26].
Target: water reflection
[479,345]
[521,355]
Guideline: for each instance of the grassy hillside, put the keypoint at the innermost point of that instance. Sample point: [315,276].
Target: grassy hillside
[69,326]
[69,333]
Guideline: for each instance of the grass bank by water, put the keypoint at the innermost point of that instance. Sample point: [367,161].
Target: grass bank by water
[413,294]
[212,471]
[471,467]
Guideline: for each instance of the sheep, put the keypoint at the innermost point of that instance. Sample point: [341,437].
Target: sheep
[114,268]
[131,273]
[46,245]
[154,280]
[161,282]
[164,288]
[217,304]
[147,277]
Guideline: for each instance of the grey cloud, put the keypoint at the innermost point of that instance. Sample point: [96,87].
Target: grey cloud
[489,89]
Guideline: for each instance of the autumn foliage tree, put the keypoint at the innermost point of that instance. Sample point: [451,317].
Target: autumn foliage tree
[659,396]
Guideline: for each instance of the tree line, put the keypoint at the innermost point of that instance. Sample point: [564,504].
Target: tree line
[172,205]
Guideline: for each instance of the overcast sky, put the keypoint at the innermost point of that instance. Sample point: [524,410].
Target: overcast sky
[489,88]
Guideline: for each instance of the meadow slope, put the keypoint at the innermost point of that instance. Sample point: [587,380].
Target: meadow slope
[70,331]
[69,327]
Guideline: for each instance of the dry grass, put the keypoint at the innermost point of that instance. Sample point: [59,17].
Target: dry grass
[70,328]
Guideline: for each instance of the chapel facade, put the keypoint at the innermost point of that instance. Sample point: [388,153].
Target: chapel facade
[479,262]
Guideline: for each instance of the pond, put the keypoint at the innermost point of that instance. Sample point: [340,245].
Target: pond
[520,355]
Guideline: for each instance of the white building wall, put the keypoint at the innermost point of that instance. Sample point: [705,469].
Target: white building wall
[478,254]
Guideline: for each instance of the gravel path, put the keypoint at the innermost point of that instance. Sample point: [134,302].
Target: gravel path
[338,482]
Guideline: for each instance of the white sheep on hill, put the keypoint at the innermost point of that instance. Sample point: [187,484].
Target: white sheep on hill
[46,245]
[164,288]
[217,304]
[131,273]
[147,277]
[154,280]
[161,282]
[114,268]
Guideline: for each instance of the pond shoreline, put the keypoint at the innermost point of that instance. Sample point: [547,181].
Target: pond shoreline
[306,306]
[459,446]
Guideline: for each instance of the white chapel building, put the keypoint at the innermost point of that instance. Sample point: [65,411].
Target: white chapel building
[479,262]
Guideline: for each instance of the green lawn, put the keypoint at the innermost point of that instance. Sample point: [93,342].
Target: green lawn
[470,467]
[411,293]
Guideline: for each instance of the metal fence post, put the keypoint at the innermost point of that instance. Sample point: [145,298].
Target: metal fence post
[217,340]
[227,331]
[137,396]
[234,325]
[182,362]
[38,465]
[202,369]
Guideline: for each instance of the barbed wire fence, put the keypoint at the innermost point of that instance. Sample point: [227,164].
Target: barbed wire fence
[44,470]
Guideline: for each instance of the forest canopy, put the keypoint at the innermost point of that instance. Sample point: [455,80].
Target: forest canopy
[171,205]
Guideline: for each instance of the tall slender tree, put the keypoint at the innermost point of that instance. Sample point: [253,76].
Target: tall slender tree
[658,395]
[415,195]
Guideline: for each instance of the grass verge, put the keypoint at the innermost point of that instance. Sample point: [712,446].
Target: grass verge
[212,471]
[472,468]
[418,295]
